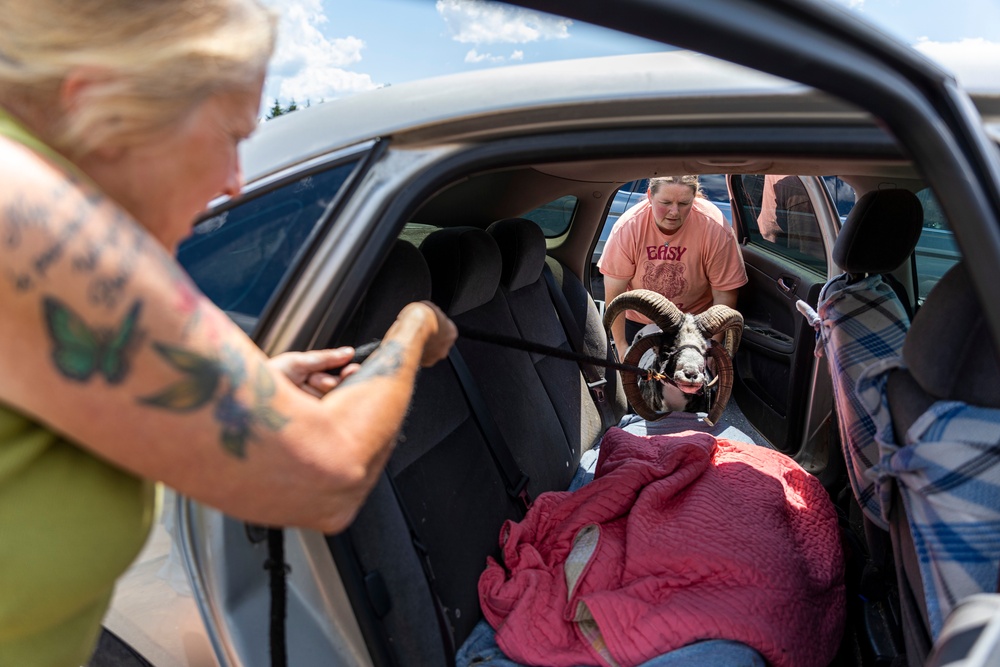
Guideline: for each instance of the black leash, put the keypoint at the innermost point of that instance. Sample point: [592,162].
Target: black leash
[278,571]
[362,352]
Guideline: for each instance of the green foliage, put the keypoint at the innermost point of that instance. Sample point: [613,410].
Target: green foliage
[278,110]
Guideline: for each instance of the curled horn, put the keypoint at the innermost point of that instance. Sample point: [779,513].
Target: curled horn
[665,315]
[630,380]
[724,371]
[655,306]
[722,318]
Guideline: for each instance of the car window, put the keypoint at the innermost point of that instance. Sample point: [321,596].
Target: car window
[936,250]
[843,195]
[555,217]
[779,217]
[238,257]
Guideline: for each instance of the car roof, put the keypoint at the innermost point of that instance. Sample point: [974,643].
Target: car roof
[610,90]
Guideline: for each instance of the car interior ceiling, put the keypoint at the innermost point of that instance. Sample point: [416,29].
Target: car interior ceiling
[492,195]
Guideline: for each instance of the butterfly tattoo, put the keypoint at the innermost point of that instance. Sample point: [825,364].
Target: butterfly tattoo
[215,381]
[80,351]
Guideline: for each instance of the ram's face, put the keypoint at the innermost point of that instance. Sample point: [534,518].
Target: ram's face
[686,364]
[680,357]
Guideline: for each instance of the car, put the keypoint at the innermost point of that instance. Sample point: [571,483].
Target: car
[329,237]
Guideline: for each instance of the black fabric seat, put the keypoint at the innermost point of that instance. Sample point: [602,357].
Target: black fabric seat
[879,235]
[421,540]
[466,268]
[529,294]
[440,484]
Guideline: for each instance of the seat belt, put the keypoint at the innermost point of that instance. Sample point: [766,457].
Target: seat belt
[515,480]
[593,375]
[444,625]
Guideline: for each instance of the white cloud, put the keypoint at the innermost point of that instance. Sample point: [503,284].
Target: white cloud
[482,22]
[975,61]
[308,65]
[473,56]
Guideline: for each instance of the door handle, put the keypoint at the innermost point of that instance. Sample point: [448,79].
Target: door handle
[786,285]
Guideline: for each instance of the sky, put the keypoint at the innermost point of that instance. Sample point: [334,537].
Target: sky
[334,48]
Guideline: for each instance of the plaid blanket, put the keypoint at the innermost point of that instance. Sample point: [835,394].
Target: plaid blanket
[948,474]
[858,325]
[947,470]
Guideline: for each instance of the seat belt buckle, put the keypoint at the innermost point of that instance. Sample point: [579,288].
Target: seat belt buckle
[520,492]
[597,389]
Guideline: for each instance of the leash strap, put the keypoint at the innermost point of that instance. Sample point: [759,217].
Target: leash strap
[277,574]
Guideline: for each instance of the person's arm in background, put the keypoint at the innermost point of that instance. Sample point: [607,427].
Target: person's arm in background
[612,288]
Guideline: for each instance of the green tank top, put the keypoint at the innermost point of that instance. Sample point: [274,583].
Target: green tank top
[70,525]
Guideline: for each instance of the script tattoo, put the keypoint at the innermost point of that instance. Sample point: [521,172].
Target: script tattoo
[207,381]
[385,361]
[58,223]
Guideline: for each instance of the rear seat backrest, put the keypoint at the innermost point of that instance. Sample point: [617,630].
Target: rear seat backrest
[441,470]
[537,317]
[465,265]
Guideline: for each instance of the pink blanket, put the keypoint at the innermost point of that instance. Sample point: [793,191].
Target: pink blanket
[678,538]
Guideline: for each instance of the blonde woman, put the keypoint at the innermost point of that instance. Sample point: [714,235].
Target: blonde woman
[119,121]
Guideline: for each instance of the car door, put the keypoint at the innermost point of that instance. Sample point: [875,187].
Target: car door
[786,225]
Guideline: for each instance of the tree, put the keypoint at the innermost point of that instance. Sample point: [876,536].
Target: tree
[276,110]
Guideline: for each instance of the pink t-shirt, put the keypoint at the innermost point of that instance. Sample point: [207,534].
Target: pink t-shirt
[684,266]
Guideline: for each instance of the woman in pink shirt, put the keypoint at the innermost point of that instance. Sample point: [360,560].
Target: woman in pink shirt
[675,243]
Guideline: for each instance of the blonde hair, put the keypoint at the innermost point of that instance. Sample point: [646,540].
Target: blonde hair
[152,62]
[690,180]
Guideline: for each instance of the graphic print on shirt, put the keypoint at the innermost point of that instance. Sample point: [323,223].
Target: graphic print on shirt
[666,278]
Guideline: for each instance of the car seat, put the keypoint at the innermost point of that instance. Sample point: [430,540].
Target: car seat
[943,460]
[862,318]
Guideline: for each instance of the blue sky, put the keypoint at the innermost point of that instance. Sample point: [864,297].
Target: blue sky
[333,48]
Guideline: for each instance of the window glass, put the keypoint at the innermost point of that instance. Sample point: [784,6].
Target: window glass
[714,187]
[555,217]
[843,195]
[238,257]
[936,250]
[779,216]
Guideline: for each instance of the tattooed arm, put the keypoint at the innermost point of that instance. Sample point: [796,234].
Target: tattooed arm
[104,338]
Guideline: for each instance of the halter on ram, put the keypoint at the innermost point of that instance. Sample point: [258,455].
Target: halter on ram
[681,347]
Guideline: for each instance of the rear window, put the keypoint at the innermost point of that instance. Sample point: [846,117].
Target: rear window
[555,217]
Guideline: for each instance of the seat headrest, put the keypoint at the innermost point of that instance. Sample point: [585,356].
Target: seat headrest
[465,268]
[522,251]
[402,279]
[949,349]
[881,231]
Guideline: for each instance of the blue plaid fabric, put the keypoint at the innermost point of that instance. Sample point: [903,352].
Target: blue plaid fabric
[948,469]
[948,475]
[858,325]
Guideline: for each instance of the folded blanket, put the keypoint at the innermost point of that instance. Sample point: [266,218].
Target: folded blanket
[679,538]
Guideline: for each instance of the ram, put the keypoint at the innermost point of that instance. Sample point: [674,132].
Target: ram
[681,343]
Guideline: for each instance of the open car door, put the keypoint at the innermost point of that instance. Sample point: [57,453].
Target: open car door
[786,225]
